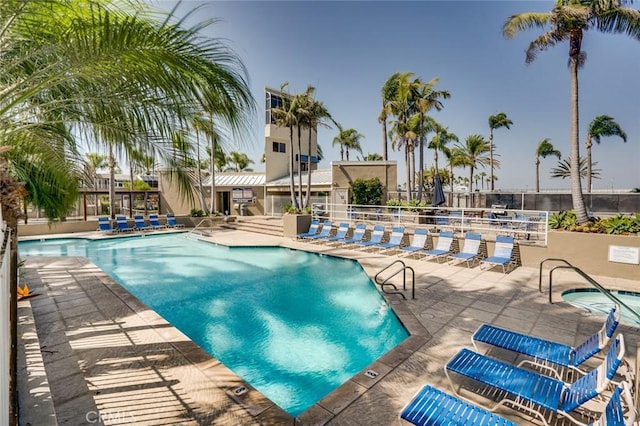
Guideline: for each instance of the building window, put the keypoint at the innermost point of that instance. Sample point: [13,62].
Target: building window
[303,167]
[279,147]
[272,101]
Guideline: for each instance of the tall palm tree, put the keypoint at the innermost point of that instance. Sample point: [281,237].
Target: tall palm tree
[95,162]
[389,93]
[316,116]
[602,125]
[545,148]
[568,21]
[473,153]
[426,99]
[286,116]
[495,122]
[439,142]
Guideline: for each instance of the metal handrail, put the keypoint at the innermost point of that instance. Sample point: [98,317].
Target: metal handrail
[191,231]
[584,275]
[404,279]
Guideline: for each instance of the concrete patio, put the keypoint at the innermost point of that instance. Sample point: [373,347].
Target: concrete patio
[90,353]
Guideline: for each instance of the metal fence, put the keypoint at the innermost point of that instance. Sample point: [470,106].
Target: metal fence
[524,225]
[5,327]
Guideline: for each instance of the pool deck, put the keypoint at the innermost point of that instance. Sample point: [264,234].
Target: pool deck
[90,353]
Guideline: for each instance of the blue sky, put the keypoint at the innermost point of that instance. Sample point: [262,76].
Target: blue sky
[347,49]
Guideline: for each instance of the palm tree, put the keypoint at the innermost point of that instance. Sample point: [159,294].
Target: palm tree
[568,21]
[286,116]
[94,162]
[563,169]
[347,139]
[316,116]
[113,72]
[389,93]
[545,148]
[240,162]
[372,157]
[426,99]
[440,141]
[473,153]
[483,176]
[495,122]
[602,125]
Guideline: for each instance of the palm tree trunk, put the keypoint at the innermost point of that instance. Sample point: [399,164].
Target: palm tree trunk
[299,164]
[491,154]
[421,168]
[537,174]
[385,151]
[112,183]
[308,199]
[576,187]
[214,208]
[10,217]
[589,165]
[292,187]
[407,163]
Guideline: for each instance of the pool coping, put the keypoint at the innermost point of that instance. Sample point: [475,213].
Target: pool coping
[255,403]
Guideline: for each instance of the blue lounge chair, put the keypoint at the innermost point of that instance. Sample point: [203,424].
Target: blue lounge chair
[502,253]
[123,224]
[395,240]
[139,223]
[104,225]
[358,235]
[536,393]
[417,242]
[325,231]
[544,351]
[341,233]
[313,229]
[443,246]
[470,251]
[171,221]
[376,237]
[154,222]
[432,407]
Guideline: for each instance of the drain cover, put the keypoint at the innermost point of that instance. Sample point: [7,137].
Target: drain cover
[371,374]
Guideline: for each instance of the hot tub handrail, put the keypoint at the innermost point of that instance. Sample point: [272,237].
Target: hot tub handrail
[590,280]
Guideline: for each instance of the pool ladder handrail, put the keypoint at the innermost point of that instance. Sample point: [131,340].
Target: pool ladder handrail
[191,231]
[404,279]
[584,275]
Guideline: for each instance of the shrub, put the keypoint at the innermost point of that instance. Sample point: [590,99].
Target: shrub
[197,213]
[619,224]
[367,192]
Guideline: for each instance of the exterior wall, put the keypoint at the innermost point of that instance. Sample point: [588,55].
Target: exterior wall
[344,173]
[589,252]
[172,201]
[277,163]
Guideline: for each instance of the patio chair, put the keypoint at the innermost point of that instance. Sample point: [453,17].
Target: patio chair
[470,251]
[443,246]
[533,392]
[325,231]
[358,235]
[313,229]
[341,233]
[547,354]
[122,224]
[395,240]
[172,222]
[432,407]
[502,254]
[154,222]
[104,225]
[376,237]
[139,223]
[417,242]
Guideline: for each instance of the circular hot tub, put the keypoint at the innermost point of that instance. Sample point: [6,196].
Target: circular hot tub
[592,300]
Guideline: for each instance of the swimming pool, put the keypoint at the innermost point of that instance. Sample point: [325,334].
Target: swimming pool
[592,300]
[293,324]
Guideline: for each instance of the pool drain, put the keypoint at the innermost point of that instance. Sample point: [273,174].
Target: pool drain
[240,390]
[371,374]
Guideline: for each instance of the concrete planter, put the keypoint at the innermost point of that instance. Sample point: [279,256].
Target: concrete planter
[294,224]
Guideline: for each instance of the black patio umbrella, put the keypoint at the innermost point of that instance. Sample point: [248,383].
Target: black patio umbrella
[438,193]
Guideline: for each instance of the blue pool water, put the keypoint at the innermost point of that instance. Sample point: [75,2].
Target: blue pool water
[592,300]
[293,324]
